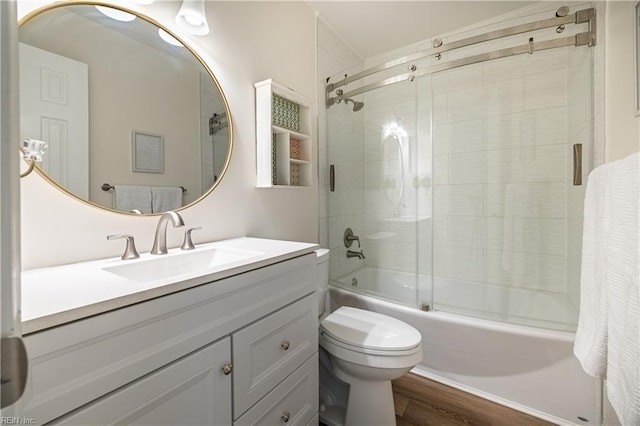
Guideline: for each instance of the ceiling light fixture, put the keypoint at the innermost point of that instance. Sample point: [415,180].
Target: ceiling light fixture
[192,17]
[116,14]
[168,38]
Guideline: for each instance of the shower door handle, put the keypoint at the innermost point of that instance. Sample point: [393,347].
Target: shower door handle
[577,164]
[332,178]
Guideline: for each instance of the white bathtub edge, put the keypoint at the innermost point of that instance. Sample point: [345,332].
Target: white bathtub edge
[491,397]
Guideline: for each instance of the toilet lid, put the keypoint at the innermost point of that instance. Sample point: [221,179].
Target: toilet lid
[370,330]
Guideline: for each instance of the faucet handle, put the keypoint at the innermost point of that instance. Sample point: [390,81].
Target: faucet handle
[130,251]
[187,243]
[349,238]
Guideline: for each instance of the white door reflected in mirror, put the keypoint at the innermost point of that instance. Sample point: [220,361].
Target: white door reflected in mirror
[54,105]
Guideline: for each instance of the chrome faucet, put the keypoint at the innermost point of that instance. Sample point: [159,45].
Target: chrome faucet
[160,240]
[353,253]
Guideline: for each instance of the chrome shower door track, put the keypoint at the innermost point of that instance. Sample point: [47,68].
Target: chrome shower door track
[587,38]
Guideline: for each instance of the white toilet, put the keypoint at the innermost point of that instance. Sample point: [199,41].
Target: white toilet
[360,353]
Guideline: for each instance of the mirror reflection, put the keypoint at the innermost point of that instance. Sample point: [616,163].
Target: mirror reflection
[134,120]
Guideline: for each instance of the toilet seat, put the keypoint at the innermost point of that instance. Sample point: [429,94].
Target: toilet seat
[370,332]
[331,344]
[370,339]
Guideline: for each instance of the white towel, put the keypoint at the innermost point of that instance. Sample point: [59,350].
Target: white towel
[608,336]
[591,336]
[129,197]
[623,285]
[165,198]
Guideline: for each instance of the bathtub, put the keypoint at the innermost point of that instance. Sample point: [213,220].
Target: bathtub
[530,369]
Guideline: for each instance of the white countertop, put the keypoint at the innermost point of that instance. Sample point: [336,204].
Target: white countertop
[56,295]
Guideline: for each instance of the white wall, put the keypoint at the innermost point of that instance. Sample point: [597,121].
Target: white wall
[248,42]
[622,126]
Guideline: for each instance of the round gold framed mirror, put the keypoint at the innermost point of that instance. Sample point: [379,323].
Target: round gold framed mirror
[134,119]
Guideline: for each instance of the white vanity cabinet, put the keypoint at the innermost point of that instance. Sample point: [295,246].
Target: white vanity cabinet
[228,352]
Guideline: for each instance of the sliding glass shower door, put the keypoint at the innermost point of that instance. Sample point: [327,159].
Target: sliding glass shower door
[381,157]
[464,184]
[507,214]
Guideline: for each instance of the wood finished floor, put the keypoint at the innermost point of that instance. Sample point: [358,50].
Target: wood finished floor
[422,402]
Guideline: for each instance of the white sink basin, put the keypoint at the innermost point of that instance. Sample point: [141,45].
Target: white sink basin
[165,266]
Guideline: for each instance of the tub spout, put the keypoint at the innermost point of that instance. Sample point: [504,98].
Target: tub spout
[353,253]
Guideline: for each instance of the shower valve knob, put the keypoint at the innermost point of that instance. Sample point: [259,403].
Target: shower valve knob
[349,238]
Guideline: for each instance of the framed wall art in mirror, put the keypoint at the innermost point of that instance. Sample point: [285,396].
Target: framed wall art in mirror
[147,152]
[89,83]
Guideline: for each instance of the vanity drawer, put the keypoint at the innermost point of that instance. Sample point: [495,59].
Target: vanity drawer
[267,351]
[292,402]
[191,391]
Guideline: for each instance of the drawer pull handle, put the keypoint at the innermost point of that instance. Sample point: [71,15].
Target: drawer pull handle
[227,369]
[285,345]
[286,416]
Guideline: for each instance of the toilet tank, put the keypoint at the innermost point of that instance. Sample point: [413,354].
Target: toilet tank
[322,277]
